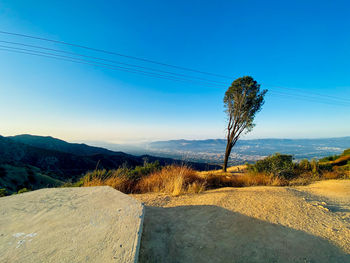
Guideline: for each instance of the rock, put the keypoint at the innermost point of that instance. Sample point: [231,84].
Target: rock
[322,207]
[93,224]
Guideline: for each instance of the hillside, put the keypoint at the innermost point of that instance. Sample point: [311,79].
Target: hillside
[16,177]
[338,160]
[50,143]
[57,164]
[59,161]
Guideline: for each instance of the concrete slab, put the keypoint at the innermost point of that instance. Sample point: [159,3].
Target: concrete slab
[93,224]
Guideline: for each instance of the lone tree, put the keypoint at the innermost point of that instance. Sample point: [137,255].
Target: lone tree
[243,99]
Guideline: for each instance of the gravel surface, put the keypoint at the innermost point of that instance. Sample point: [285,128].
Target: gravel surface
[253,224]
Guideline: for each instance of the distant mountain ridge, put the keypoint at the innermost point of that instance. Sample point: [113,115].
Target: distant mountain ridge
[50,143]
[34,162]
[210,143]
[212,150]
[65,160]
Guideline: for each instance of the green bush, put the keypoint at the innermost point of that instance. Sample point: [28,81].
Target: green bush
[325,167]
[23,190]
[3,171]
[305,165]
[314,167]
[144,170]
[278,165]
[346,152]
[31,179]
[3,192]
[329,158]
[122,172]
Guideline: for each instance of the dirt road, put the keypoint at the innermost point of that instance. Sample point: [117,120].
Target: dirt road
[253,224]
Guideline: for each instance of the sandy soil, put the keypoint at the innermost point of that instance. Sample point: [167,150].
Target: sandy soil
[253,224]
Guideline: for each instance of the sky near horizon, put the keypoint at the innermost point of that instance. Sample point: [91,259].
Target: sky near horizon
[295,49]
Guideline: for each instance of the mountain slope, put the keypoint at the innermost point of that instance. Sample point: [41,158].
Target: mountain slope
[50,143]
[66,165]
[16,177]
[58,164]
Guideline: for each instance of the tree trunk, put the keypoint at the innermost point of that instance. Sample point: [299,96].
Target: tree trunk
[227,154]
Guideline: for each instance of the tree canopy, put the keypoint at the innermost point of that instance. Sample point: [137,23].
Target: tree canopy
[242,100]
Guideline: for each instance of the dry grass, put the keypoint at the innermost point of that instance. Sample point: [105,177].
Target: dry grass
[119,183]
[308,178]
[217,180]
[341,160]
[239,176]
[196,187]
[174,180]
[302,180]
[331,175]
[177,180]
[230,171]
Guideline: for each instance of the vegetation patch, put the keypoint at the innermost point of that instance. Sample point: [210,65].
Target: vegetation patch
[14,177]
[172,179]
[275,170]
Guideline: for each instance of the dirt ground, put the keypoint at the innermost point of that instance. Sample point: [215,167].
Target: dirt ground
[253,224]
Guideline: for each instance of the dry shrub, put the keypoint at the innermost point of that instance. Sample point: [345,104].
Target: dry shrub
[331,175]
[305,178]
[176,186]
[112,178]
[196,187]
[177,180]
[302,180]
[254,179]
[119,183]
[217,180]
[172,179]
[93,182]
[308,178]
[341,160]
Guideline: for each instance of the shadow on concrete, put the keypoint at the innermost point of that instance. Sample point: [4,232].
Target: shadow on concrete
[214,234]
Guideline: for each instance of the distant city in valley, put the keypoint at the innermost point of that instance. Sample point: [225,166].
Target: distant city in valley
[212,150]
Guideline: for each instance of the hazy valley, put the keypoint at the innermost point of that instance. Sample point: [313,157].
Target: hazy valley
[212,150]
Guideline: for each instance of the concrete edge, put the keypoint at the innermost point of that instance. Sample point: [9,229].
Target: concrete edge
[139,235]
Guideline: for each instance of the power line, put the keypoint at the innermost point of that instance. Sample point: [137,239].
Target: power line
[129,69]
[115,53]
[310,99]
[149,74]
[112,61]
[316,94]
[87,62]
[146,60]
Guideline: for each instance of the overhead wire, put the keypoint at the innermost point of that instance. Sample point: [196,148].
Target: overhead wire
[310,99]
[162,71]
[323,96]
[150,74]
[114,53]
[87,62]
[155,72]
[112,61]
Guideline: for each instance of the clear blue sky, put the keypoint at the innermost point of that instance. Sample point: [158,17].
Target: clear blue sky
[303,45]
